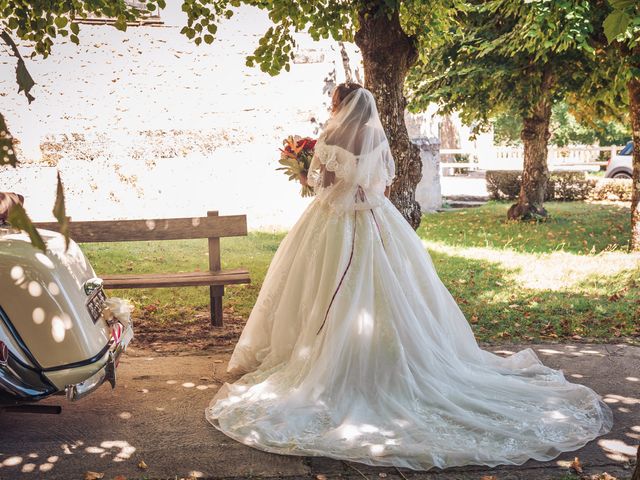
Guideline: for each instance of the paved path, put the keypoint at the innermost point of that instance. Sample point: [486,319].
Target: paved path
[156,415]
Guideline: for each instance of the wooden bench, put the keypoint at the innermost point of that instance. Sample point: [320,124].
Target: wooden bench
[211,227]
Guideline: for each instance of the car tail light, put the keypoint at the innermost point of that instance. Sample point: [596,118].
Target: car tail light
[4,354]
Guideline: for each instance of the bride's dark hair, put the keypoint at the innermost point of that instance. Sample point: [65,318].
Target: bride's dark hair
[341,92]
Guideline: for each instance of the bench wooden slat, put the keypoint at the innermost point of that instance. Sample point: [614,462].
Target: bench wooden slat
[191,279]
[154,229]
[178,275]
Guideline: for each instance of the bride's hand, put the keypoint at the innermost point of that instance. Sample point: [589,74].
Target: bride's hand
[303,180]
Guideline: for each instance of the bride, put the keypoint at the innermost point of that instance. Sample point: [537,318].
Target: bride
[355,349]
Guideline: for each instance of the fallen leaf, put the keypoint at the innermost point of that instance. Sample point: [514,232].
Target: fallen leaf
[93,475]
[120,477]
[604,476]
[576,465]
[218,361]
[142,465]
[489,477]
[382,475]
[321,477]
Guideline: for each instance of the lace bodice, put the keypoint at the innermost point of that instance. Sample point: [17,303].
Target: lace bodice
[337,176]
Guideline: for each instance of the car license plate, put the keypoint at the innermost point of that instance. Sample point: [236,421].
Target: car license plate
[95,304]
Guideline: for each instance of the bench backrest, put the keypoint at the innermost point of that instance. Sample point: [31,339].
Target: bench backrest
[212,226]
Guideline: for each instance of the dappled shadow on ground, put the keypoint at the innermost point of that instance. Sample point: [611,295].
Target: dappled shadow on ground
[501,306]
[154,415]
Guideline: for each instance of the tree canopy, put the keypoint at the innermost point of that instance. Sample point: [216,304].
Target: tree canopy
[320,19]
[497,62]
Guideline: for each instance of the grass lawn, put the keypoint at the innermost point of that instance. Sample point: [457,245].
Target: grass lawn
[569,277]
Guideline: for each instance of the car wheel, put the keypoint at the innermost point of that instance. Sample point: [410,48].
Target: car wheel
[621,175]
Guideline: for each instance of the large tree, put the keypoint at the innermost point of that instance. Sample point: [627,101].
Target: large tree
[622,29]
[511,56]
[39,24]
[389,34]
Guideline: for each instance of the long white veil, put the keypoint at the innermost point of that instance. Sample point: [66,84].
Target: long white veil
[352,164]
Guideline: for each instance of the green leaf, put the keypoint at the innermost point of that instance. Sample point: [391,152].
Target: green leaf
[622,4]
[208,39]
[121,23]
[59,211]
[61,22]
[75,28]
[615,24]
[18,218]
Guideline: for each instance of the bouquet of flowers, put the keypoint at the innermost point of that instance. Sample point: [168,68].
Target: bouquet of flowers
[295,158]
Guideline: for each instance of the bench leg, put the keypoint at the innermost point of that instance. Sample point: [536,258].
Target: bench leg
[215,299]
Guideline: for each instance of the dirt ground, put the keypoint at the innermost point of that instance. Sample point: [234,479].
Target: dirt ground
[194,336]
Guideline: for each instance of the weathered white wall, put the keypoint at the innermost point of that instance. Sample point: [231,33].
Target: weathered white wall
[144,123]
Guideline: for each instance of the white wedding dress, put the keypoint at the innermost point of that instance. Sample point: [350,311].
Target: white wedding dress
[355,349]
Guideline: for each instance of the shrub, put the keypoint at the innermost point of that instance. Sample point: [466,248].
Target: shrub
[569,186]
[612,189]
[564,186]
[503,184]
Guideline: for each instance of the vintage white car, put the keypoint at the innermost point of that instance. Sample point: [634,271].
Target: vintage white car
[59,333]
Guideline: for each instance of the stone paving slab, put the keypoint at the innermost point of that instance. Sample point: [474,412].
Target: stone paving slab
[156,414]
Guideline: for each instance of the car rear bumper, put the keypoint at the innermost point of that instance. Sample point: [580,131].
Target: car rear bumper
[108,371]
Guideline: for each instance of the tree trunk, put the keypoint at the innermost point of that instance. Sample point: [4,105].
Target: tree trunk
[634,101]
[535,174]
[636,471]
[387,54]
